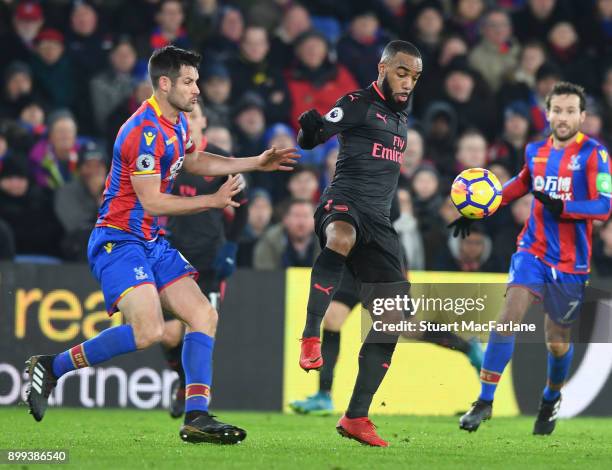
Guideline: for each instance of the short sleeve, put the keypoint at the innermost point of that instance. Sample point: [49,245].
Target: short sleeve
[140,151]
[348,112]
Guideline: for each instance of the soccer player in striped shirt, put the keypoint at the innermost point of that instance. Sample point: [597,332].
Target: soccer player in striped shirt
[569,175]
[139,271]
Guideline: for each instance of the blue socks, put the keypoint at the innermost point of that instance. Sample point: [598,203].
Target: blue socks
[197,363]
[558,370]
[496,357]
[110,343]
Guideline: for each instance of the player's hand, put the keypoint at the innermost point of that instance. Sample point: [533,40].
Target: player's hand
[223,197]
[278,159]
[310,121]
[461,226]
[225,261]
[242,184]
[555,206]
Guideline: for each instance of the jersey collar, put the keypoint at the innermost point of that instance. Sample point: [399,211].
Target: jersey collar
[577,141]
[155,105]
[378,92]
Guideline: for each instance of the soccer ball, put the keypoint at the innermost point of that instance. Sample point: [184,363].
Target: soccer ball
[476,193]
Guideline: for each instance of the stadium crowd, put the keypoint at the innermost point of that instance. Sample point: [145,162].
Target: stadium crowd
[74,71]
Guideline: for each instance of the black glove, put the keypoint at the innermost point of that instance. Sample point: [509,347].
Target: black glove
[554,206]
[310,122]
[461,226]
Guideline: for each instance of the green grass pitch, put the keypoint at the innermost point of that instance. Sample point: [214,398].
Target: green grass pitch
[114,439]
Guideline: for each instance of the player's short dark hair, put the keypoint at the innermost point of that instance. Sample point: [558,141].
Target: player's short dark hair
[167,62]
[397,46]
[567,88]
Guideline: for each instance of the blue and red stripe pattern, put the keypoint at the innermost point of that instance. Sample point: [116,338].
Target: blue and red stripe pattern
[147,145]
[578,175]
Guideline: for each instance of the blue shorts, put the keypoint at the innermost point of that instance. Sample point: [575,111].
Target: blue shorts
[562,293]
[121,261]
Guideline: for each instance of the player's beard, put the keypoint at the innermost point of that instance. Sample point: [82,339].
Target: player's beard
[395,105]
[569,136]
[185,107]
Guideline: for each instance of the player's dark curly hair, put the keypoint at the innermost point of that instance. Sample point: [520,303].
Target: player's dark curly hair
[167,62]
[567,88]
[399,46]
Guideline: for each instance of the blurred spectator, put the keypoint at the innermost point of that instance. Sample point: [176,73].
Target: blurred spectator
[113,86]
[497,52]
[500,170]
[216,87]
[578,66]
[471,151]
[221,137]
[28,128]
[413,156]
[602,250]
[593,123]
[394,16]
[295,21]
[304,184]
[260,214]
[473,106]
[85,44]
[249,125]
[144,10]
[28,20]
[28,210]
[87,49]
[169,29]
[291,242]
[202,21]
[77,202]
[52,69]
[466,20]
[436,238]
[510,146]
[595,29]
[361,47]
[17,90]
[426,197]
[276,183]
[546,77]
[54,161]
[429,89]
[251,71]
[427,32]
[537,17]
[224,44]
[315,81]
[142,91]
[504,243]
[473,253]
[440,123]
[522,80]
[407,228]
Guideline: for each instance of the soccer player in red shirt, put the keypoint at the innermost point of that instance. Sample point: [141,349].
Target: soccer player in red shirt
[140,273]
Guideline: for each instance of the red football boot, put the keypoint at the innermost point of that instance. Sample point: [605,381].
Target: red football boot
[311,358]
[361,429]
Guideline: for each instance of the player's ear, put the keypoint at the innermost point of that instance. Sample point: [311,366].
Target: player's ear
[164,83]
[381,69]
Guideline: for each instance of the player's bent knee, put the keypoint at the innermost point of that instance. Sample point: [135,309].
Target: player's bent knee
[146,335]
[340,237]
[557,349]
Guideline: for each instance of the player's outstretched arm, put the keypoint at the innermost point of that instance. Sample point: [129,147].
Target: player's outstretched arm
[156,203]
[209,164]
